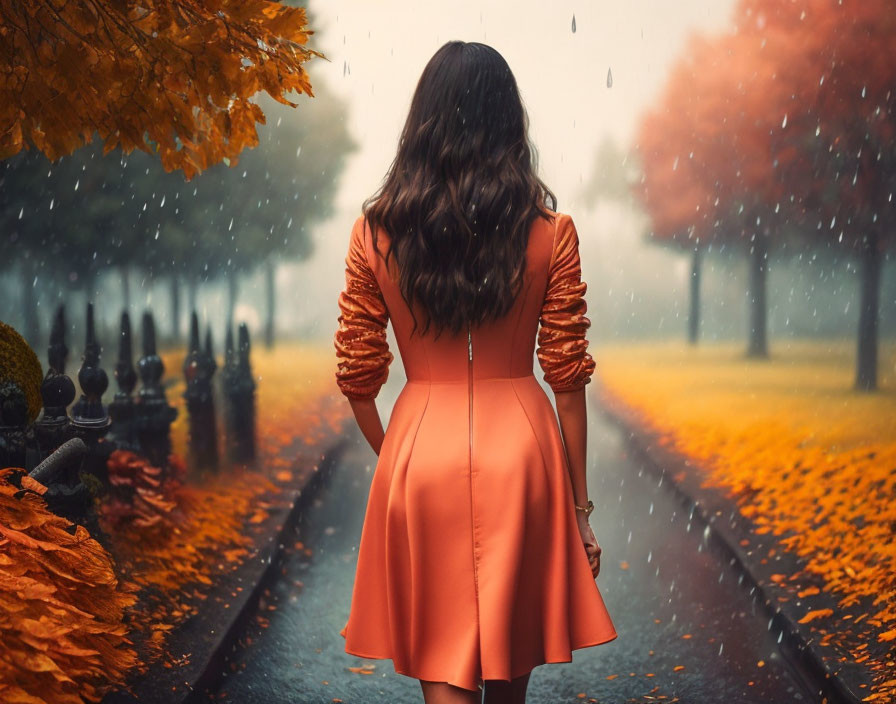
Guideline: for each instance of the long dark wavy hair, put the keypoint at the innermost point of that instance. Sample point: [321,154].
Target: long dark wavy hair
[461,194]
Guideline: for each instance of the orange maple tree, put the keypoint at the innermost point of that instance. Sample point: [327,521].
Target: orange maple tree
[837,62]
[168,76]
[780,132]
[674,187]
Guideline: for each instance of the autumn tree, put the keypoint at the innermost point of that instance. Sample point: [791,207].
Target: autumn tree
[295,171]
[674,187]
[230,222]
[767,116]
[836,72]
[169,77]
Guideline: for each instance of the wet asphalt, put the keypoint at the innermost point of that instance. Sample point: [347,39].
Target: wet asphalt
[689,630]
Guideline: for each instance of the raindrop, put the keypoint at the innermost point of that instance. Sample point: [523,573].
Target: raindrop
[818,130]
[21,213]
[573,23]
[863,91]
[77,183]
[162,202]
[675,164]
[784,122]
[609,78]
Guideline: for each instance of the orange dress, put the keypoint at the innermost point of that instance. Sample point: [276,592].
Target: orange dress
[470,564]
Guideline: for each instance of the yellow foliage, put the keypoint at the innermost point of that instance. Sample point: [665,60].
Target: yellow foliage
[805,457]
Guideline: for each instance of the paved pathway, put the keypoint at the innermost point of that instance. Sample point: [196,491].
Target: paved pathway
[674,604]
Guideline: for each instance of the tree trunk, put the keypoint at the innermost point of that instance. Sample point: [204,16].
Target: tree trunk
[31,331]
[90,286]
[232,290]
[175,309]
[192,295]
[694,314]
[758,344]
[270,292]
[125,272]
[869,306]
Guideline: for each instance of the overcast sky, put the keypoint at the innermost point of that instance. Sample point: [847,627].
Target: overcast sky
[377,51]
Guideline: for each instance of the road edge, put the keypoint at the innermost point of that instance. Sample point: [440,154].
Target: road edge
[205,668]
[707,505]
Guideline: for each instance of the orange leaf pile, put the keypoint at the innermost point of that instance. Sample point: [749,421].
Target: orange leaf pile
[179,536]
[63,612]
[62,630]
[138,490]
[807,460]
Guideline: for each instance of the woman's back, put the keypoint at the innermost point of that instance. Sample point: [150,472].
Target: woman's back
[470,565]
[552,294]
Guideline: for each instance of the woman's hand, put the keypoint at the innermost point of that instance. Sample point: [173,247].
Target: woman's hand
[592,549]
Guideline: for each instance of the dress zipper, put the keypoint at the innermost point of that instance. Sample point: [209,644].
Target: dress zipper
[472,511]
[470,385]
[470,389]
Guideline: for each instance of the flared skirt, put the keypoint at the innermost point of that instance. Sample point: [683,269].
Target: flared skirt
[470,564]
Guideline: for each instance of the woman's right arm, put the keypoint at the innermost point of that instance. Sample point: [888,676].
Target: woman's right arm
[573,415]
[563,355]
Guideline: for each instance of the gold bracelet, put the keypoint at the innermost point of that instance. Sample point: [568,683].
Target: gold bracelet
[588,508]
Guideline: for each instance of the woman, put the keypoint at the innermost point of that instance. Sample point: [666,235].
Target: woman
[471,568]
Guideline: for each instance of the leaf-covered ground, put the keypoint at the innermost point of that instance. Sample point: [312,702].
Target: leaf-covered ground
[805,457]
[62,630]
[78,616]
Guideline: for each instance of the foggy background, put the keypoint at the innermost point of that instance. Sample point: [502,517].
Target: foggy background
[376,53]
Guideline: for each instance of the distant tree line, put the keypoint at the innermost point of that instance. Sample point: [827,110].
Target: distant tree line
[777,138]
[89,213]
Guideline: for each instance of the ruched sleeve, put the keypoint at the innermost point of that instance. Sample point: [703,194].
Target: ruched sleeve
[361,348]
[562,346]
